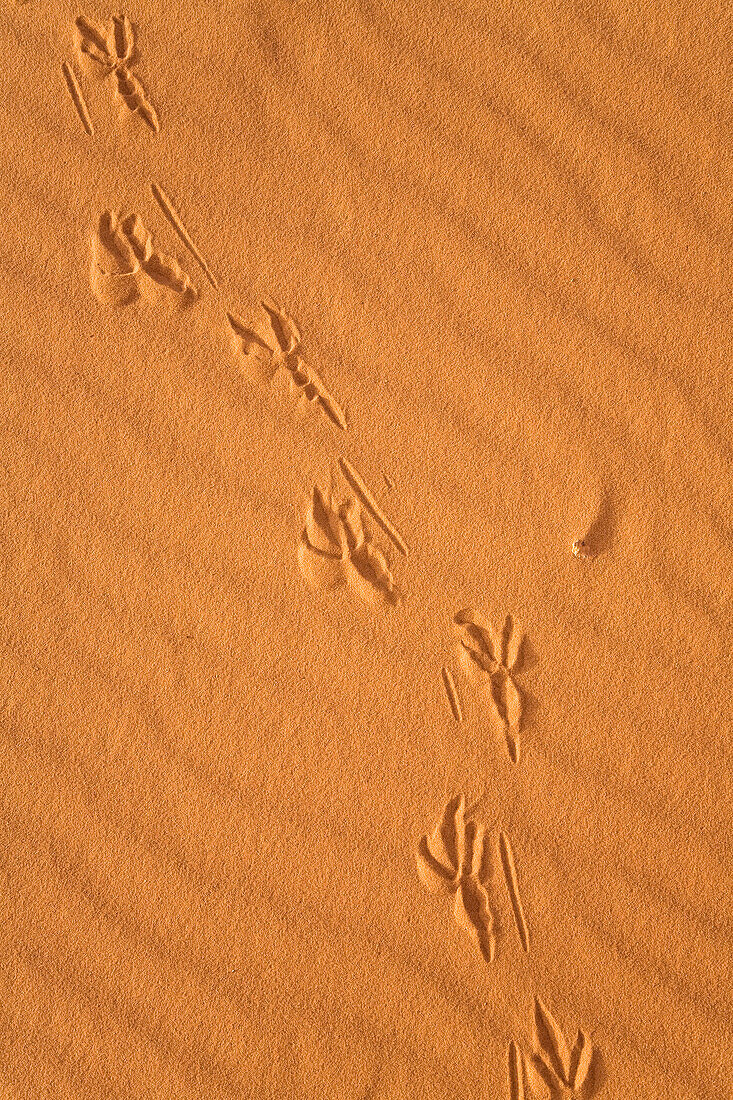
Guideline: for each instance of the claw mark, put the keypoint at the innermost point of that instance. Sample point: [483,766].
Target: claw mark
[452,693]
[174,218]
[510,874]
[359,487]
[77,97]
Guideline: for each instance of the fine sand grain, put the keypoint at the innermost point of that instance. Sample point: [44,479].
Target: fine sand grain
[367,572]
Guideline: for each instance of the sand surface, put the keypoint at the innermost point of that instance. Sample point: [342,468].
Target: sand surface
[365,678]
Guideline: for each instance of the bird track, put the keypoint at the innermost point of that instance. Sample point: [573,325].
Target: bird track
[286,355]
[113,49]
[123,255]
[453,861]
[495,658]
[336,549]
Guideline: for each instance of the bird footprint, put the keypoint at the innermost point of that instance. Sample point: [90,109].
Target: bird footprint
[122,253]
[451,861]
[285,360]
[562,1073]
[113,49]
[336,549]
[496,657]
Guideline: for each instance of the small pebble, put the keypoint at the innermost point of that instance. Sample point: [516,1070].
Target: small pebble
[581,550]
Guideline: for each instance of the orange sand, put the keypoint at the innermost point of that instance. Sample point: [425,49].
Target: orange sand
[257,560]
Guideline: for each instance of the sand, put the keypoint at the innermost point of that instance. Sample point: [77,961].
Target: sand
[367,583]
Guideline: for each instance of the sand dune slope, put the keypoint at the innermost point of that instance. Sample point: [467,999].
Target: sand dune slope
[366,541]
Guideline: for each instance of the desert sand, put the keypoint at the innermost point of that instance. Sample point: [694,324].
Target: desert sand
[367,583]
